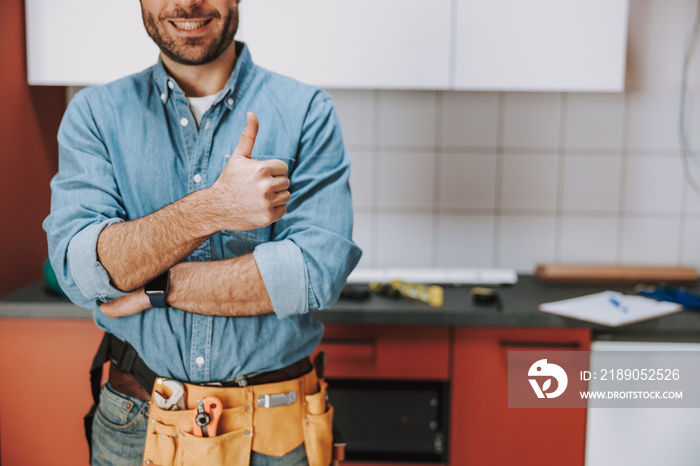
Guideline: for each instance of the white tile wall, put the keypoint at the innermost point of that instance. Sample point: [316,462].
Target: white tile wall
[407,118]
[653,121]
[357,117]
[362,179]
[591,183]
[594,121]
[525,241]
[690,252]
[404,240]
[650,241]
[532,120]
[465,239]
[588,240]
[490,179]
[469,119]
[692,187]
[653,184]
[406,179]
[363,235]
[467,181]
[529,182]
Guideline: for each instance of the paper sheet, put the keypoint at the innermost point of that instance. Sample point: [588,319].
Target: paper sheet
[611,308]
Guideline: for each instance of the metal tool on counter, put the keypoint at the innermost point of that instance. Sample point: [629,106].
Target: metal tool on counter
[206,416]
[483,296]
[431,294]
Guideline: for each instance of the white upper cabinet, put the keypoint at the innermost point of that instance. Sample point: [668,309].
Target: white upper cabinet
[537,45]
[541,45]
[352,43]
[332,43]
[85,42]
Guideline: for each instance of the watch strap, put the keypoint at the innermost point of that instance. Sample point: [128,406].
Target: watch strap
[157,289]
[157,300]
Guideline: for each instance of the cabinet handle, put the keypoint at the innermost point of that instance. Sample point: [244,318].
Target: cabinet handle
[508,344]
[350,349]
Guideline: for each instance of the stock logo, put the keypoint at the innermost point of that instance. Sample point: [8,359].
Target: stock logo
[546,371]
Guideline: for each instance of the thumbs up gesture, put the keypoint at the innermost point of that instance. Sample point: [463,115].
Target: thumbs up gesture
[249,193]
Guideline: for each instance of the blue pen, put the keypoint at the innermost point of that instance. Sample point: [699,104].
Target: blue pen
[618,304]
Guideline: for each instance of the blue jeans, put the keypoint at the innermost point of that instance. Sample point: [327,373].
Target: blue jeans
[119,434]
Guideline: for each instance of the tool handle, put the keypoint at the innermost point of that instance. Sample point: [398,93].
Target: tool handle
[213,407]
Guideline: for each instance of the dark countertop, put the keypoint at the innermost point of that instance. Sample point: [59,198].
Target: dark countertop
[520,303]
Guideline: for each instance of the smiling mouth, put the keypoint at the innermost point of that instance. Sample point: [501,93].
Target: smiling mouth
[190,25]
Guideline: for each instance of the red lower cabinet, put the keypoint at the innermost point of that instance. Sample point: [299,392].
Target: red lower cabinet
[45,390]
[483,430]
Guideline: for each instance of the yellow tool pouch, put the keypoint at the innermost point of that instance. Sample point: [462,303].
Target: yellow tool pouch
[272,419]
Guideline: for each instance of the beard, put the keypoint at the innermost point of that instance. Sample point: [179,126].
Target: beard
[191,50]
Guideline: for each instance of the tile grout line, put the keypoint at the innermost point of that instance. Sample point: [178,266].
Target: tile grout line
[623,180]
[682,224]
[437,170]
[500,134]
[561,168]
[376,128]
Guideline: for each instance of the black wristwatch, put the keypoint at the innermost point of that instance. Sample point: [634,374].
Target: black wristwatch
[157,289]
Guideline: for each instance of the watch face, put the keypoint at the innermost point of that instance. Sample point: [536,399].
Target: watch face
[159,285]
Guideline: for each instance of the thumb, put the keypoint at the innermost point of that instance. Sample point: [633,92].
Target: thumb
[247,141]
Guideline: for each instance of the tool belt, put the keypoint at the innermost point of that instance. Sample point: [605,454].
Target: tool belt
[206,424]
[272,419]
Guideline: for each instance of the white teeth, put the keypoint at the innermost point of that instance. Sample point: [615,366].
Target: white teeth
[189,25]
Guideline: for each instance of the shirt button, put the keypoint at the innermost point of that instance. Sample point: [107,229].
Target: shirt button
[163,97]
[206,125]
[184,122]
[197,178]
[170,84]
[229,101]
[200,361]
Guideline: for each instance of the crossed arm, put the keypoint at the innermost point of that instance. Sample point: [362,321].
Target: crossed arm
[249,194]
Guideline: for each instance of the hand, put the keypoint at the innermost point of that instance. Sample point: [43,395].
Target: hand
[249,193]
[130,304]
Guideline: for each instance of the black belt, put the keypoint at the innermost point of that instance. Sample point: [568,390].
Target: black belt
[127,384]
[130,365]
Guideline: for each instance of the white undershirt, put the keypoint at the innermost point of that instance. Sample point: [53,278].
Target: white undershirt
[200,105]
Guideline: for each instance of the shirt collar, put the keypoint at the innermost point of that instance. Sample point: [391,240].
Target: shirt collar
[236,85]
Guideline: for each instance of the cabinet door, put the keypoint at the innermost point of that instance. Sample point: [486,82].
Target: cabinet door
[45,390]
[85,42]
[483,430]
[339,44]
[641,436]
[541,45]
[379,352]
[352,43]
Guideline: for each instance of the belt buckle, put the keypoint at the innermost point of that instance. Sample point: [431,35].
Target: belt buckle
[241,381]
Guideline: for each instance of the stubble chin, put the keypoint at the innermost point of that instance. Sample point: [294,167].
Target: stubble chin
[193,50]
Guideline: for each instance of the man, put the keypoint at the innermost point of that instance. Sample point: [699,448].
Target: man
[235,240]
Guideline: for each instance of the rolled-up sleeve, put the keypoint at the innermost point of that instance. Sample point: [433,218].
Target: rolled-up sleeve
[310,272]
[282,267]
[84,201]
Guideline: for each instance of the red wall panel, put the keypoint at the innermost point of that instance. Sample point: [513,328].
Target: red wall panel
[29,119]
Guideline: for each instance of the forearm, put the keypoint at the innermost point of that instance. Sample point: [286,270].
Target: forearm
[231,287]
[136,251]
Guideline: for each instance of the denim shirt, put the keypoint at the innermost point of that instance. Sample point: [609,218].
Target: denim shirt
[131,147]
